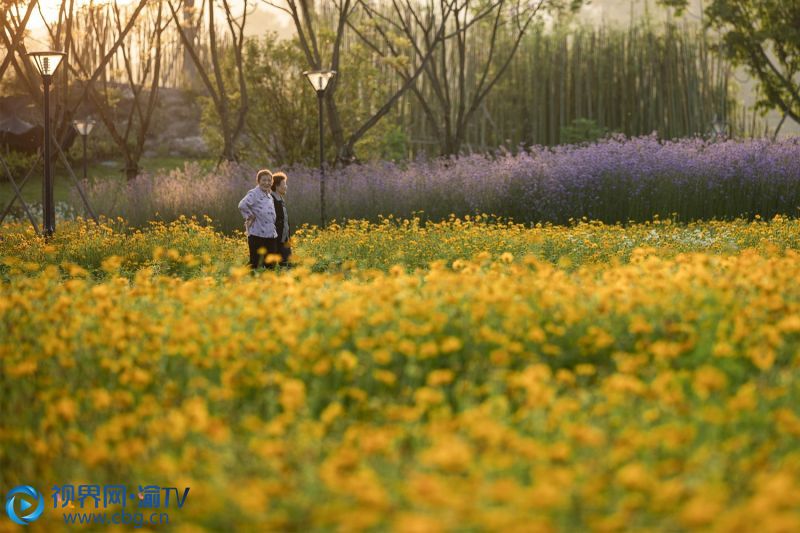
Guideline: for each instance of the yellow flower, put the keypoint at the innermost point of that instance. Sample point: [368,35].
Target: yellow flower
[789,324]
[787,422]
[440,377]
[666,349]
[428,349]
[384,376]
[448,453]
[708,379]
[635,476]
[322,367]
[417,523]
[565,376]
[427,396]
[197,413]
[451,344]
[347,360]
[722,349]
[101,399]
[700,511]
[22,368]
[745,398]
[293,394]
[639,325]
[382,356]
[762,356]
[66,408]
[330,413]
[111,264]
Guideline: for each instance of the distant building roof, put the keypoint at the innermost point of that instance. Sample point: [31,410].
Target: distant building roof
[15,125]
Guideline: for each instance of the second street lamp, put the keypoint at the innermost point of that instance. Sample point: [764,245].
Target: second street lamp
[84,128]
[319,80]
[46,64]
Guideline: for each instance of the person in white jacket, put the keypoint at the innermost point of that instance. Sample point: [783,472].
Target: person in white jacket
[258,210]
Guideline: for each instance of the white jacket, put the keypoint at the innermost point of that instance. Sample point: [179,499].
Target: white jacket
[259,204]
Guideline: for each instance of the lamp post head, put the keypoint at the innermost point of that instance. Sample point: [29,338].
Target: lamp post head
[319,79]
[47,62]
[83,127]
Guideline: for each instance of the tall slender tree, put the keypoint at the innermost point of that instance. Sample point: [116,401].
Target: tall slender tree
[231,112]
[140,60]
[308,25]
[764,37]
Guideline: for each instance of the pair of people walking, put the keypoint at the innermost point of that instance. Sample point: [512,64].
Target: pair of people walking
[266,220]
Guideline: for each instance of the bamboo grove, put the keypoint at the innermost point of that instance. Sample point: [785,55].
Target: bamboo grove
[635,81]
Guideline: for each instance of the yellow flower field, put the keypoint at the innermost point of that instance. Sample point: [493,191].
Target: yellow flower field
[471,375]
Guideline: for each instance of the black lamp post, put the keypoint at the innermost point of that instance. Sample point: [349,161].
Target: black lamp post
[47,63]
[319,80]
[84,128]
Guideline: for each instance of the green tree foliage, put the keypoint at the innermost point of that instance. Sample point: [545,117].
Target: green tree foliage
[281,123]
[764,36]
[17,163]
[582,130]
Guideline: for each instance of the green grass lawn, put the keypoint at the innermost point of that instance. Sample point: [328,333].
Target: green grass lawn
[63,184]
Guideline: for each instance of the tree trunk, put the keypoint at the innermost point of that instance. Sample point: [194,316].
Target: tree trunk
[131,170]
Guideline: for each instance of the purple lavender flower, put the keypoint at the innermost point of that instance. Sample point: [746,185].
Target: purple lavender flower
[614,180]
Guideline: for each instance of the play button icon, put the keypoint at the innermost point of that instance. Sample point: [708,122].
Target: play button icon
[25,494]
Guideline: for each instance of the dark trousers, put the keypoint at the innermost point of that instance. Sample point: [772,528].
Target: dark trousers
[265,245]
[285,252]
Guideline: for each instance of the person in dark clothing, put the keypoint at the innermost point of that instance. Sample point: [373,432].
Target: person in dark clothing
[279,187]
